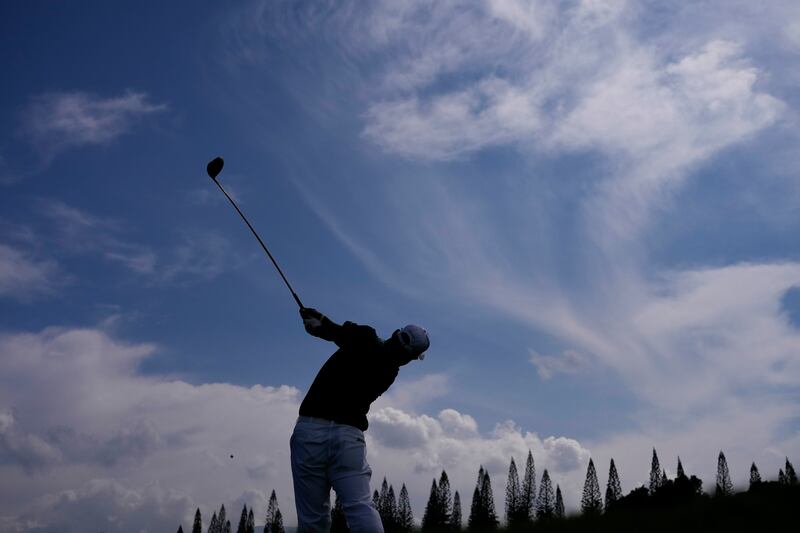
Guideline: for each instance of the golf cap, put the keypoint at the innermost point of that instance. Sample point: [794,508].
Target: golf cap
[415,340]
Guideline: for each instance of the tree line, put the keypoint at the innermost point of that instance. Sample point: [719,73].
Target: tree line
[273,523]
[527,503]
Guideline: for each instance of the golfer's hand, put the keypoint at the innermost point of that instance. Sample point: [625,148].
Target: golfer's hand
[312,319]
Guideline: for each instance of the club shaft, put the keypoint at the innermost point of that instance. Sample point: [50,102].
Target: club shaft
[264,246]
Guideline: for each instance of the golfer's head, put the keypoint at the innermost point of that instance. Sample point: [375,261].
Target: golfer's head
[412,341]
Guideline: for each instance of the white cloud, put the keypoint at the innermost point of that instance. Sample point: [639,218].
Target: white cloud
[55,122]
[23,277]
[568,362]
[411,395]
[491,113]
[19,448]
[533,17]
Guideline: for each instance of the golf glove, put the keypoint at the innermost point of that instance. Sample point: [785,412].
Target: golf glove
[312,319]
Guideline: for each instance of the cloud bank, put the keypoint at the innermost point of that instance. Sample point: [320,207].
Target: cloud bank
[117,450]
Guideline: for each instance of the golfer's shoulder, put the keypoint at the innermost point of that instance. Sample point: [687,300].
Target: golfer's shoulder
[360,332]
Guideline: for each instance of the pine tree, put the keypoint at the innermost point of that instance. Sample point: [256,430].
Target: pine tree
[338,521]
[755,476]
[383,500]
[212,526]
[655,473]
[445,500]
[242,521]
[591,502]
[251,522]
[474,521]
[180,529]
[545,503]
[528,489]
[227,527]
[405,518]
[663,477]
[387,506]
[376,500]
[613,487]
[221,519]
[513,495]
[559,511]
[391,513]
[277,525]
[681,473]
[487,501]
[791,476]
[272,513]
[430,520]
[482,516]
[455,518]
[782,479]
[724,485]
[198,522]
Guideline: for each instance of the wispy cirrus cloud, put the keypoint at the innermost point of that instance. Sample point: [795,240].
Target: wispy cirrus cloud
[593,79]
[54,122]
[24,277]
[194,256]
[567,362]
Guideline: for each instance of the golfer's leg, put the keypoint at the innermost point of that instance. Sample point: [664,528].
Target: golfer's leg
[350,474]
[361,515]
[311,487]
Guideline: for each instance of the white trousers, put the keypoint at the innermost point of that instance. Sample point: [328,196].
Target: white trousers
[324,455]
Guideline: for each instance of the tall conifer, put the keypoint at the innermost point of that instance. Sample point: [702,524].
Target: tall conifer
[655,473]
[559,511]
[755,476]
[405,518]
[221,519]
[529,489]
[545,503]
[383,501]
[227,527]
[591,502]
[681,473]
[197,527]
[430,520]
[487,501]
[445,499]
[724,485]
[782,479]
[277,525]
[180,529]
[272,514]
[613,487]
[474,519]
[242,521]
[791,476]
[251,522]
[212,526]
[455,517]
[513,496]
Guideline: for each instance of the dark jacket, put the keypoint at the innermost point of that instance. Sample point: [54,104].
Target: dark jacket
[352,378]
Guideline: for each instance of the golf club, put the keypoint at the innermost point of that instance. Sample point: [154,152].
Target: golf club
[213,168]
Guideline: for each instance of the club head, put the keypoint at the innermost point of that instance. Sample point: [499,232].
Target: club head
[214,167]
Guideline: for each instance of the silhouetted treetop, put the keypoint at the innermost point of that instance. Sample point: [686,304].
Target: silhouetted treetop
[724,485]
[591,502]
[613,487]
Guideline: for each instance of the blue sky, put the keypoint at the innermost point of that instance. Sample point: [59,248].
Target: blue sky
[590,204]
